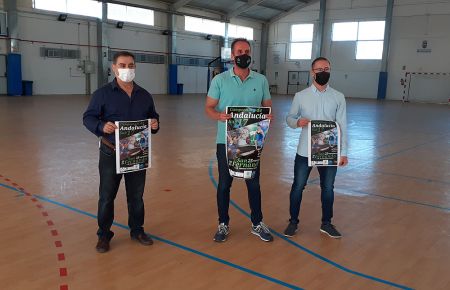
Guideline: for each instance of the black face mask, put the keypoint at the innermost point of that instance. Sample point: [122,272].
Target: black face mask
[322,78]
[243,61]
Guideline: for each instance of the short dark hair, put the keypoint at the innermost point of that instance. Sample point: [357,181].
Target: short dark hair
[238,40]
[122,53]
[320,58]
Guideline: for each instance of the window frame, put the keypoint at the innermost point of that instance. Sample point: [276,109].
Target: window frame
[126,17]
[359,41]
[66,11]
[291,42]
[212,32]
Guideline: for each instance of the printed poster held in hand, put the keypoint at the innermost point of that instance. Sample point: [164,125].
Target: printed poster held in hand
[133,146]
[246,132]
[323,143]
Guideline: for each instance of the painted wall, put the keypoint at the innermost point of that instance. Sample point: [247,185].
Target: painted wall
[413,22]
[62,76]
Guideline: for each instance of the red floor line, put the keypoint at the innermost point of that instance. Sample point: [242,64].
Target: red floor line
[63,272]
[61,257]
[54,232]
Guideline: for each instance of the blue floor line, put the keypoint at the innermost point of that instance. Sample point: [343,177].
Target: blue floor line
[210,257]
[345,269]
[411,177]
[385,156]
[393,198]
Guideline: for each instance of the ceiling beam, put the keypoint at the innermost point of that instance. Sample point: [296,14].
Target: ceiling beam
[243,8]
[178,4]
[300,5]
[271,7]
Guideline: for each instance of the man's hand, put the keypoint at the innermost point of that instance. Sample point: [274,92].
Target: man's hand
[154,124]
[343,161]
[270,117]
[302,122]
[222,116]
[109,128]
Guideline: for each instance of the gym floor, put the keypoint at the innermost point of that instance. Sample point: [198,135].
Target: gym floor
[392,204]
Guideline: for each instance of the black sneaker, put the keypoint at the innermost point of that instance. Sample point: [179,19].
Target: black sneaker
[262,231]
[290,230]
[330,230]
[222,233]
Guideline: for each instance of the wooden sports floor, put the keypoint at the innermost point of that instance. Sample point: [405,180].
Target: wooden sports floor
[392,204]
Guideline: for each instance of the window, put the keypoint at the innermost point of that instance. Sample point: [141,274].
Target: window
[204,26]
[345,31]
[369,36]
[55,5]
[80,7]
[131,14]
[301,41]
[369,49]
[236,31]
[217,28]
[370,40]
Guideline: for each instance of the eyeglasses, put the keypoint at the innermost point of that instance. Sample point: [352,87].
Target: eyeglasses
[122,65]
[326,69]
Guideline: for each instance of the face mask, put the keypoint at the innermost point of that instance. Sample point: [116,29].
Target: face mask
[243,61]
[126,74]
[322,78]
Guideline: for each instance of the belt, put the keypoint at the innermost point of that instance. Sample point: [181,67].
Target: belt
[108,144]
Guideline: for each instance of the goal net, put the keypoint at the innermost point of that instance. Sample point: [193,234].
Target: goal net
[428,87]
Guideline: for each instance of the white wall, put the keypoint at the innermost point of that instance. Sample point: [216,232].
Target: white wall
[412,25]
[61,76]
[413,22]
[152,77]
[278,63]
[51,75]
[192,44]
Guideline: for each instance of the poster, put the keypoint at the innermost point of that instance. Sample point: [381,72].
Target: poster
[132,146]
[246,133]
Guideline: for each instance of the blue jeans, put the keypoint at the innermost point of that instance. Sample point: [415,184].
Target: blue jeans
[224,186]
[301,174]
[109,185]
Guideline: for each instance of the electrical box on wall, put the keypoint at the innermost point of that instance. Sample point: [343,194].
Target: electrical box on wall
[89,67]
[86,66]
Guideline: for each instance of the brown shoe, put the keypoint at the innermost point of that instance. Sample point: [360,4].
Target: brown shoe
[143,238]
[102,245]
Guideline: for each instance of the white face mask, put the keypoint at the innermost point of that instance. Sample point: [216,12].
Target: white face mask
[126,74]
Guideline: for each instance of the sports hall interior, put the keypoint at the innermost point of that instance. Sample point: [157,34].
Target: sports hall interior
[392,201]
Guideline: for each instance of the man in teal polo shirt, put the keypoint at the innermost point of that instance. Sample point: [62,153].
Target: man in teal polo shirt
[239,86]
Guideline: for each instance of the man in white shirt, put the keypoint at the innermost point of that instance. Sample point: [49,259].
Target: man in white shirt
[318,102]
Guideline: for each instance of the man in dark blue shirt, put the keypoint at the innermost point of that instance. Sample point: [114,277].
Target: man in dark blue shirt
[119,100]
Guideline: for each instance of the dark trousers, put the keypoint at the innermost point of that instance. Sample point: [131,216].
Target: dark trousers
[301,174]
[224,186]
[109,185]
